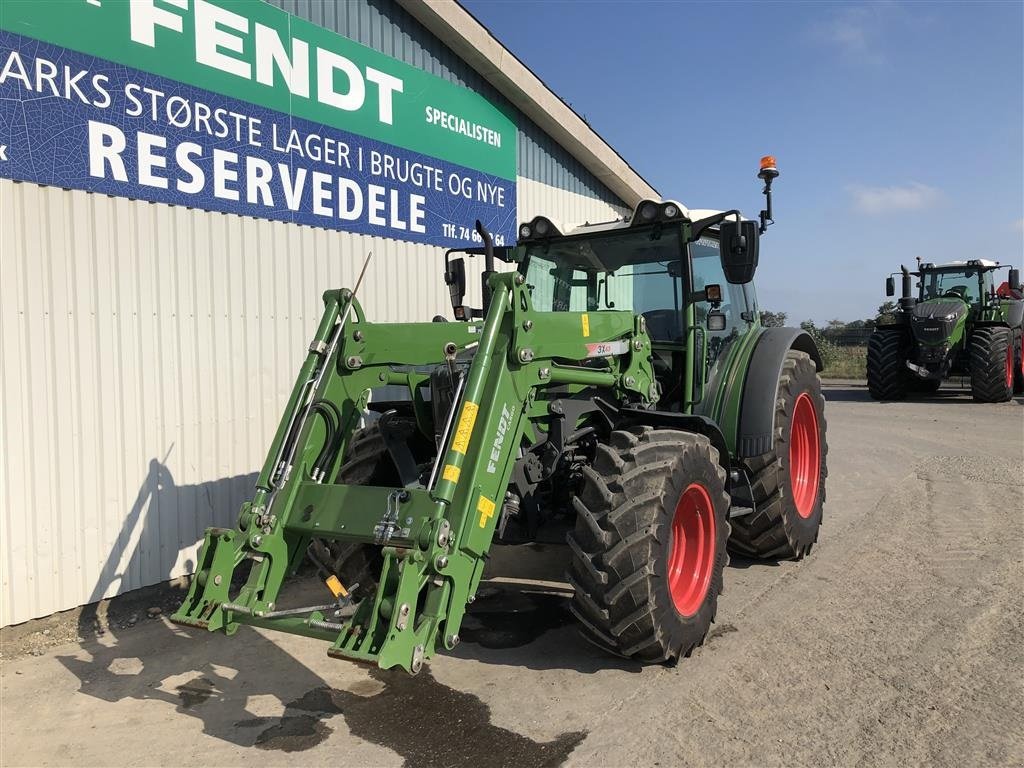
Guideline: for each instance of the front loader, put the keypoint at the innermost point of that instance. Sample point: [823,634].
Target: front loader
[616,392]
[958,323]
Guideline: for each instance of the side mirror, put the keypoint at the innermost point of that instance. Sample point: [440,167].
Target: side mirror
[890,286]
[738,250]
[455,277]
[1014,279]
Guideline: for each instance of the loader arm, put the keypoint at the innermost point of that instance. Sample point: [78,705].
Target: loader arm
[509,374]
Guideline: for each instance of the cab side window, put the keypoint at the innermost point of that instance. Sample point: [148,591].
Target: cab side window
[707,270]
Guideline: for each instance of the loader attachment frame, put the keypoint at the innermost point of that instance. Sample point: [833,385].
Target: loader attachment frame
[509,372]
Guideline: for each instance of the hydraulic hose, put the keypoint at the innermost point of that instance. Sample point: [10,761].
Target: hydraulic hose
[332,421]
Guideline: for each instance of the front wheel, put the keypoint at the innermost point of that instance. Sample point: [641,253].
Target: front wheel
[992,364]
[886,365]
[649,546]
[788,483]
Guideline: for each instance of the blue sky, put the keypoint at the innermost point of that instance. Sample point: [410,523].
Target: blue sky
[898,127]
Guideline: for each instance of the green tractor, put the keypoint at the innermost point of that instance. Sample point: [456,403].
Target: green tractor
[959,323]
[615,392]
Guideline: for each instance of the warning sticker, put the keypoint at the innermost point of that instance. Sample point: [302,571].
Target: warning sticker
[465,429]
[486,509]
[586,324]
[451,473]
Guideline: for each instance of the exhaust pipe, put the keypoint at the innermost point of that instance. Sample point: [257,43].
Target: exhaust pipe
[907,300]
[485,287]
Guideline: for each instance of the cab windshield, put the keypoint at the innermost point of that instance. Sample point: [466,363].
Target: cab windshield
[951,282]
[637,271]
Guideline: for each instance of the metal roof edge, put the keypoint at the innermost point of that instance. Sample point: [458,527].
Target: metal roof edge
[473,43]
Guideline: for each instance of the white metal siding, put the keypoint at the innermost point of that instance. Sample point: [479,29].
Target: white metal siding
[147,351]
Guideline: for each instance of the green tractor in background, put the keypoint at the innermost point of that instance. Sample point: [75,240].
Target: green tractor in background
[616,393]
[958,323]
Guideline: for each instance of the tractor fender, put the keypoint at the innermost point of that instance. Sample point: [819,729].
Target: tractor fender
[1015,314]
[701,425]
[756,434]
[1014,318]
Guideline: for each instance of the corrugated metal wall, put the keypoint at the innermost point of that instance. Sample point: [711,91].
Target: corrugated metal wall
[147,350]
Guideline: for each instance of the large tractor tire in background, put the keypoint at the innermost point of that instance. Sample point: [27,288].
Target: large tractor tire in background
[992,362]
[788,483]
[649,545]
[1018,369]
[887,370]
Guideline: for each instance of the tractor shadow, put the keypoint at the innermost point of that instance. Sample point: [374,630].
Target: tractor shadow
[742,563]
[521,616]
[948,394]
[250,692]
[128,649]
[529,627]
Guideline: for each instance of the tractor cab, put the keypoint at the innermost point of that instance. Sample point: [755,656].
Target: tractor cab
[659,266]
[969,281]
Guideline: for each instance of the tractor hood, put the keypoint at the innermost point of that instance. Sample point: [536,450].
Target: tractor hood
[936,321]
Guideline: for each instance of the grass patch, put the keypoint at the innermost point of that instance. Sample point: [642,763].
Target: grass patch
[844,362]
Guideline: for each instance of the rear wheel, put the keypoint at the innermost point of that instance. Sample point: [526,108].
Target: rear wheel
[649,545]
[887,371]
[788,483]
[992,365]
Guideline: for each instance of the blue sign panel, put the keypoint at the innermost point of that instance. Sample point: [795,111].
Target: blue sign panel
[81,122]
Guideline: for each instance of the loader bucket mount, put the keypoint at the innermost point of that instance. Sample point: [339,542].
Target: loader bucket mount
[433,534]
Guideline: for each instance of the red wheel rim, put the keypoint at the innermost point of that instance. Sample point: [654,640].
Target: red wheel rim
[1009,365]
[692,558]
[804,455]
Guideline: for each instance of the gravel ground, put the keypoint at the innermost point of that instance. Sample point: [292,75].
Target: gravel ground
[899,640]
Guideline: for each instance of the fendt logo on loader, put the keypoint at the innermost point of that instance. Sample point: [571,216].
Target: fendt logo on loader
[499,438]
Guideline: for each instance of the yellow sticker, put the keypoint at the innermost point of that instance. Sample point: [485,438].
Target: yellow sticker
[335,586]
[451,473]
[465,429]
[486,509]
[586,324]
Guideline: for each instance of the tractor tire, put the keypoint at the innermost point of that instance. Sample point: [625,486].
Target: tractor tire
[788,483]
[367,462]
[887,372]
[1018,369]
[649,546]
[992,365]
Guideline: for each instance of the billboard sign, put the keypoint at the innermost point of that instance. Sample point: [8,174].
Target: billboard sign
[237,106]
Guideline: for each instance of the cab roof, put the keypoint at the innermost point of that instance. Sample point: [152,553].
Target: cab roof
[983,263]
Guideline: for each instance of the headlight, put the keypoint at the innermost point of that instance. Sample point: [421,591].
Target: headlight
[950,317]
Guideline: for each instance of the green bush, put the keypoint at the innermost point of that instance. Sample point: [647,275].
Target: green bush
[840,362]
